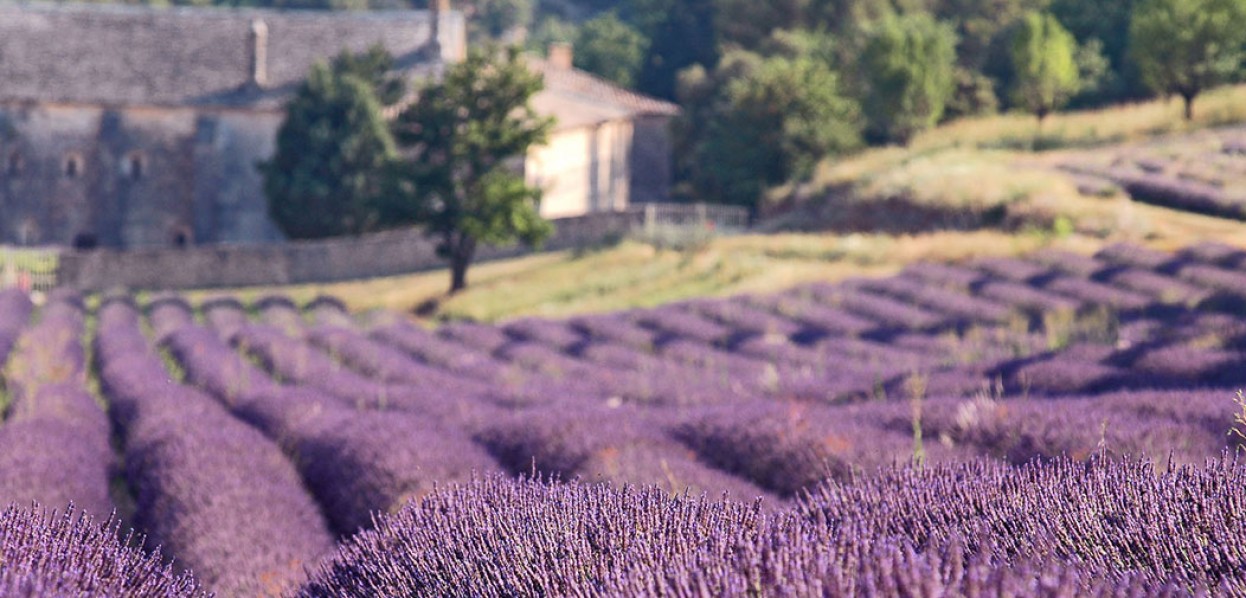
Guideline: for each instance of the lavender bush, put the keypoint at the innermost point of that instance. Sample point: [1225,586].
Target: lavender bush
[50,553]
[869,538]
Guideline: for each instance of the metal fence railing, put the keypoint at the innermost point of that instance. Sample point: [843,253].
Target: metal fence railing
[27,268]
[687,224]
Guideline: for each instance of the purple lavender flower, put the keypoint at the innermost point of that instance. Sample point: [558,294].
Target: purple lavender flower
[67,553]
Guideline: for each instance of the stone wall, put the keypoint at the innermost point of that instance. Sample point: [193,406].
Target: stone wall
[651,159]
[133,177]
[224,266]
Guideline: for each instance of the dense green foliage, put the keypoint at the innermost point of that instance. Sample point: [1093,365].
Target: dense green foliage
[325,174]
[494,19]
[1186,46]
[1044,64]
[759,121]
[886,69]
[1105,24]
[460,141]
[686,37]
[610,48]
[376,68]
[908,65]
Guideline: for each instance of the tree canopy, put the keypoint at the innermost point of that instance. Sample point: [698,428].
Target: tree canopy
[1044,63]
[1183,47]
[610,48]
[686,37]
[324,177]
[460,141]
[759,121]
[908,65]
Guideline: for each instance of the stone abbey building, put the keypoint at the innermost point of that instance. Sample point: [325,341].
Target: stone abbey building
[137,127]
[134,127]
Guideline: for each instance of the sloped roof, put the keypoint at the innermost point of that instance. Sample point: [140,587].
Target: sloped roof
[573,113]
[132,55]
[579,98]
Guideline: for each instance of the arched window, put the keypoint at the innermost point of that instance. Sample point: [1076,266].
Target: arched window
[13,165]
[181,237]
[85,241]
[28,232]
[72,165]
[134,165]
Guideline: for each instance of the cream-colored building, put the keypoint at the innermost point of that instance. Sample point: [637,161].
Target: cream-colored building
[610,147]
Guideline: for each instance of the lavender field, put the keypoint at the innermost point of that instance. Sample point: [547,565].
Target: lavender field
[1054,426]
[1202,172]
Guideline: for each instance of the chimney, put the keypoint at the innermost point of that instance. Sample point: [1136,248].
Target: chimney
[561,55]
[258,48]
[436,8]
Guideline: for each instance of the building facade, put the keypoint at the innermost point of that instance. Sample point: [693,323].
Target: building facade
[131,127]
[136,127]
[610,147]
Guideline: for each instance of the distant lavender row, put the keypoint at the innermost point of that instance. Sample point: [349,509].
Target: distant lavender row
[213,492]
[15,309]
[356,463]
[54,446]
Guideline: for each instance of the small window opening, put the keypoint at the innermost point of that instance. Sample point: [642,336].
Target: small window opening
[181,238]
[27,233]
[134,166]
[85,241]
[73,166]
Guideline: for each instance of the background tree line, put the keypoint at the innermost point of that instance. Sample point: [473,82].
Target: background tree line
[771,88]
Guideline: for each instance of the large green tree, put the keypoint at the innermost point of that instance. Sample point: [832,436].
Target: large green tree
[494,19]
[610,48]
[756,122]
[1184,47]
[687,36]
[376,67]
[1044,60]
[461,140]
[908,65]
[331,151]
[1102,25]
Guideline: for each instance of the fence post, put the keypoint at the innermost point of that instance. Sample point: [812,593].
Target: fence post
[7,274]
[651,219]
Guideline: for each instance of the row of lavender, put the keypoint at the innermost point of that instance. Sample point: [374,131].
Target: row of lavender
[1200,173]
[687,395]
[737,401]
[599,395]
[54,443]
[976,529]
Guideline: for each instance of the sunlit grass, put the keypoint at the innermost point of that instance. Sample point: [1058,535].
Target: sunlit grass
[975,165]
[1114,124]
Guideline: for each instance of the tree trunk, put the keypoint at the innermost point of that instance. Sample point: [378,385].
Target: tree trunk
[460,258]
[1041,113]
[1189,105]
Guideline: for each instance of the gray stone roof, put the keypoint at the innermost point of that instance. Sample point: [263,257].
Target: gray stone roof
[129,55]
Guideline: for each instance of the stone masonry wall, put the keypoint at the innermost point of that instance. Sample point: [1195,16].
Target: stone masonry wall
[224,266]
